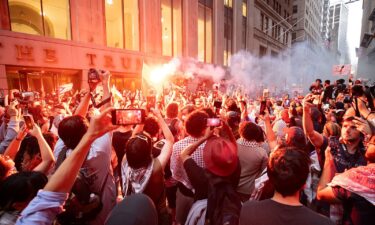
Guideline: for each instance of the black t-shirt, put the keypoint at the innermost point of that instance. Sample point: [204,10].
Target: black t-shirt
[357,210]
[269,212]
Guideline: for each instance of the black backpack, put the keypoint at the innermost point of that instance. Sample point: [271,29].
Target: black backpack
[223,205]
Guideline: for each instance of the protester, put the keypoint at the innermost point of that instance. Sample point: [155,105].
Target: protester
[252,156]
[214,167]
[287,170]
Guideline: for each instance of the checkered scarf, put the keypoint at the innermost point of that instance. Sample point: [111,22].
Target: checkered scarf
[136,180]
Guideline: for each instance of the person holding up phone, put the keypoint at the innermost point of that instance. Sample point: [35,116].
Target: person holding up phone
[138,161]
[9,127]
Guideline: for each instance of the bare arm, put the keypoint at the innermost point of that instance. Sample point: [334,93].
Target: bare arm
[271,137]
[83,105]
[15,145]
[315,137]
[48,160]
[325,192]
[106,76]
[166,151]
[64,177]
[185,154]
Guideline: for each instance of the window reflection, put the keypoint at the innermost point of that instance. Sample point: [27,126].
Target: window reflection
[113,19]
[204,33]
[171,22]
[122,24]
[48,17]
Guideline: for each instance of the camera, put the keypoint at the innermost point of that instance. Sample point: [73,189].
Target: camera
[93,76]
[128,116]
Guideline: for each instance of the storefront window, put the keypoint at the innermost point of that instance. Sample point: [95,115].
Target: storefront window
[171,20]
[205,32]
[122,24]
[131,83]
[41,17]
[40,80]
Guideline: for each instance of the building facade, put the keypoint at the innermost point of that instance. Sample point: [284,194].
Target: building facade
[366,56]
[271,27]
[307,20]
[337,31]
[325,20]
[46,43]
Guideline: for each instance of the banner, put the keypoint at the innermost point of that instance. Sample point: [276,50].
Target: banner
[65,88]
[342,70]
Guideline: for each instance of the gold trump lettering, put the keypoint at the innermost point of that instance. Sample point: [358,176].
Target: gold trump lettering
[91,59]
[24,53]
[50,55]
[108,61]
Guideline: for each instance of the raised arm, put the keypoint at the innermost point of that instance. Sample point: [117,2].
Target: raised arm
[185,154]
[166,151]
[271,137]
[83,105]
[48,160]
[324,191]
[106,76]
[15,145]
[64,177]
[308,127]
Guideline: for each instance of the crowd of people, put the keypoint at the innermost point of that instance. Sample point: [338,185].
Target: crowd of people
[206,157]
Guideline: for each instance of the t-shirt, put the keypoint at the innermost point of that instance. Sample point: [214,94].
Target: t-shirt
[269,212]
[96,168]
[357,210]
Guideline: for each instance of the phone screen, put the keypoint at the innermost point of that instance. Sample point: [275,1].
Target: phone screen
[213,122]
[28,121]
[262,107]
[128,116]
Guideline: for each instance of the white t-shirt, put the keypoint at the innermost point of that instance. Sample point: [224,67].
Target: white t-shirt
[96,167]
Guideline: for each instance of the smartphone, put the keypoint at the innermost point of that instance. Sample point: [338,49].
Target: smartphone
[263,106]
[93,76]
[217,104]
[128,116]
[29,122]
[213,122]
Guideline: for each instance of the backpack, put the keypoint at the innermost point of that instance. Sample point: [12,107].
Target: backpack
[82,205]
[223,205]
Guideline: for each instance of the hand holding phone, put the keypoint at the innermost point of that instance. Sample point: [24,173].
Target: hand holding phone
[128,116]
[29,122]
[263,107]
[213,122]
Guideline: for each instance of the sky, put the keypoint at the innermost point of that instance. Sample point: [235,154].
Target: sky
[354,28]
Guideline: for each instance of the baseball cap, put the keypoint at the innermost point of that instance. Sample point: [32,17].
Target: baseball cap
[220,156]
